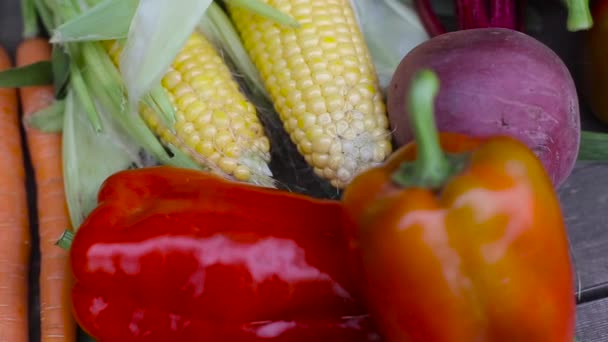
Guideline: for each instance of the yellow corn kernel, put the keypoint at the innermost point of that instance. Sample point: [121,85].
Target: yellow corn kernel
[215,123]
[323,84]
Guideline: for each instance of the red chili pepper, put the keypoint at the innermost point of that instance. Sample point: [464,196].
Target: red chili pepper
[468,245]
[178,255]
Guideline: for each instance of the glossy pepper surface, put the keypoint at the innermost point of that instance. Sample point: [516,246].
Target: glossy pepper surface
[461,239]
[179,255]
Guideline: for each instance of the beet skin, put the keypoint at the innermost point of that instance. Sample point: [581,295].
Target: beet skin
[496,81]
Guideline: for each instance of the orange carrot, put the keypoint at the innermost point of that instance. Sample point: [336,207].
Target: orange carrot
[14,224]
[56,320]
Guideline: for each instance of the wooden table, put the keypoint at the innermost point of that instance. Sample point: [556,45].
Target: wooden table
[584,197]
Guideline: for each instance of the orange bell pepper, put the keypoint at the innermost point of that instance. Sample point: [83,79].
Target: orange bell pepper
[461,239]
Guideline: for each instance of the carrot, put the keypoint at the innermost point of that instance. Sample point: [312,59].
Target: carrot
[56,320]
[14,224]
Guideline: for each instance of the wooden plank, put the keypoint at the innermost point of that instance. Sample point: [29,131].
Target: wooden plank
[10,24]
[592,321]
[584,200]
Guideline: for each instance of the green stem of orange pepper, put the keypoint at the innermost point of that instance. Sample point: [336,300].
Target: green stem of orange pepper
[432,167]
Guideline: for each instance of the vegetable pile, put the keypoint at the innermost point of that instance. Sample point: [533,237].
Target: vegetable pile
[280,170]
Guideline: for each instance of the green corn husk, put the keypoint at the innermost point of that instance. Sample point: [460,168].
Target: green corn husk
[391,29]
[90,156]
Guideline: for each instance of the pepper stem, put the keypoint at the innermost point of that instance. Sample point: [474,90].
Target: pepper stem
[579,15]
[432,166]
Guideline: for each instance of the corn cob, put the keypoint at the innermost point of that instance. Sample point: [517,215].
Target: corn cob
[215,123]
[322,82]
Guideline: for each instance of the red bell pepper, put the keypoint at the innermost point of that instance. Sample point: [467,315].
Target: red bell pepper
[461,239]
[179,255]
